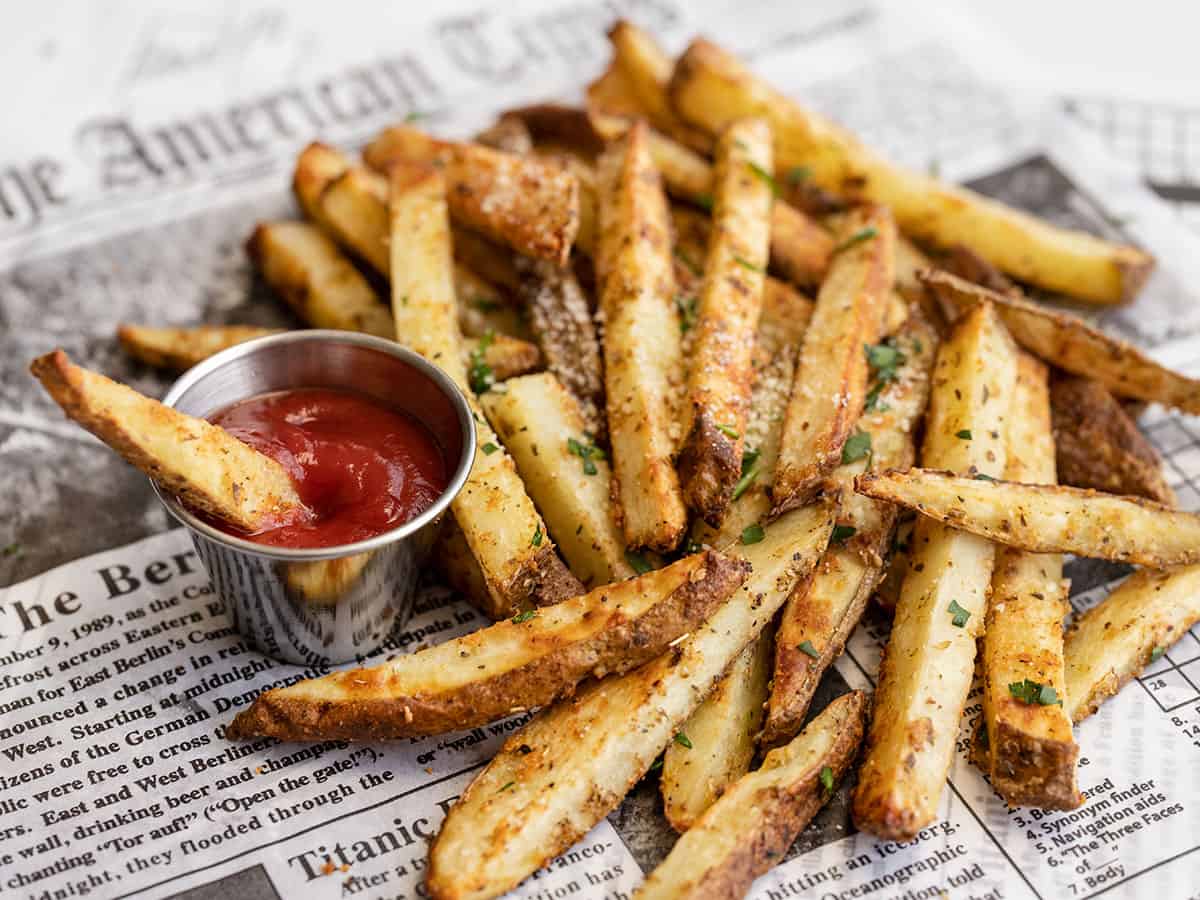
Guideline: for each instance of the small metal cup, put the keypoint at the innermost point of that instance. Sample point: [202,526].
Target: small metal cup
[329,604]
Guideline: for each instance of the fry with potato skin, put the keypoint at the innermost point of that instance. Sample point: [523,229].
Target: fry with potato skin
[503,529]
[485,675]
[529,204]
[720,372]
[572,764]
[1041,518]
[831,379]
[721,738]
[1113,641]
[316,168]
[1099,446]
[642,361]
[710,87]
[817,621]
[208,469]
[1030,752]
[182,348]
[751,827]
[316,280]
[566,475]
[929,662]
[1071,344]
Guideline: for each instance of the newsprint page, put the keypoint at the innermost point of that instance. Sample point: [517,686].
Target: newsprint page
[149,143]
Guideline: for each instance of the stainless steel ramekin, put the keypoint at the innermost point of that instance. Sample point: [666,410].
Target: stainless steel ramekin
[332,604]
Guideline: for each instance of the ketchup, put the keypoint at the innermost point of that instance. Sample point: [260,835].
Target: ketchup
[360,468]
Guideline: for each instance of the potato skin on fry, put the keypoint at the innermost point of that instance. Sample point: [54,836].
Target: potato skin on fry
[831,379]
[720,372]
[751,827]
[1099,446]
[208,469]
[1046,518]
[1075,346]
[485,675]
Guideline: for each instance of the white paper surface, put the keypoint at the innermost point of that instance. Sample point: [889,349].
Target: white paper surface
[116,780]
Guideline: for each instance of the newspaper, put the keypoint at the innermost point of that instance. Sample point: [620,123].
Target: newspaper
[119,669]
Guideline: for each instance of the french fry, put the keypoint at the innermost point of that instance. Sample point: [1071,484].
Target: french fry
[1099,446]
[208,469]
[565,770]
[492,262]
[720,371]
[530,204]
[483,308]
[831,379]
[508,134]
[505,357]
[316,168]
[781,326]
[562,127]
[310,273]
[503,529]
[1046,518]
[1071,344]
[929,662]
[751,827]
[641,343]
[716,744]
[353,208]
[517,664]
[647,71]
[566,474]
[910,262]
[562,321]
[710,88]
[1029,753]
[1134,626]
[818,619]
[182,348]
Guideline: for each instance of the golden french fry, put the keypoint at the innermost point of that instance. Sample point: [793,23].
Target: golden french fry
[522,663]
[182,348]
[203,465]
[316,168]
[710,88]
[1135,625]
[310,273]
[929,662]
[831,379]
[641,343]
[720,370]
[1046,518]
[565,770]
[751,827]
[1071,344]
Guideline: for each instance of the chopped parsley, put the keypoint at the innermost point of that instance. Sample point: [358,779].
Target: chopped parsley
[656,765]
[842,533]
[506,787]
[746,264]
[416,116]
[965,434]
[827,779]
[983,476]
[885,360]
[863,234]
[1156,653]
[688,264]
[489,448]
[536,540]
[752,534]
[692,547]
[585,452]
[1032,692]
[637,562]
[524,616]
[705,202]
[683,740]
[13,549]
[959,614]
[764,175]
[808,649]
[857,446]
[479,373]
[485,305]
[797,174]
[750,471]
[729,431]
[688,311]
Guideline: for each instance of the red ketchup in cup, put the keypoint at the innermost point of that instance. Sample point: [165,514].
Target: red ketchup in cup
[360,467]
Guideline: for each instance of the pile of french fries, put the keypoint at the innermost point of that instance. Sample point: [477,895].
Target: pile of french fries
[716,347]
